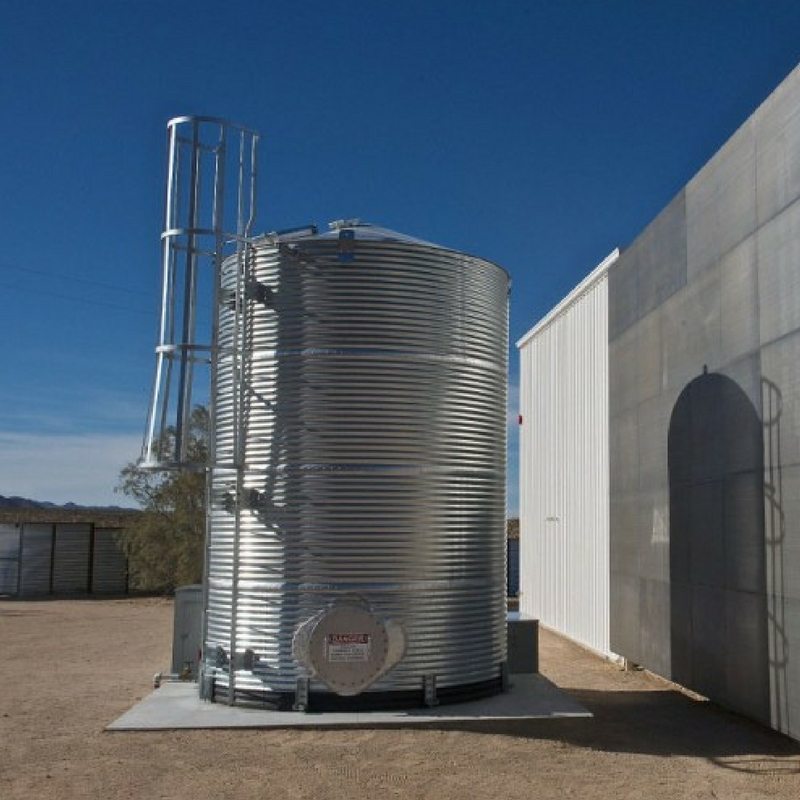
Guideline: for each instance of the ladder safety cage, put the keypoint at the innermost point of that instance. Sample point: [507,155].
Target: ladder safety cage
[210,209]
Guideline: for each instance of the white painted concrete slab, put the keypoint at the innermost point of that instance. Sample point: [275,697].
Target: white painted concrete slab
[177,706]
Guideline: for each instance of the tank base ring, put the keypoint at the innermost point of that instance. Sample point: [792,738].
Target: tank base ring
[321,702]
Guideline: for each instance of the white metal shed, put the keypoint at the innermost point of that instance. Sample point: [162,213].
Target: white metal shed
[564,469]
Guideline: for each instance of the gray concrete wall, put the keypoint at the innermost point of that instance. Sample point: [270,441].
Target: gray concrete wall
[704,368]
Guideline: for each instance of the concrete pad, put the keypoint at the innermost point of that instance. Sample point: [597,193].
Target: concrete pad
[178,706]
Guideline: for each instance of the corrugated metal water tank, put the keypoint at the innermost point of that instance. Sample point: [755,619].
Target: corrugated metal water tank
[373,425]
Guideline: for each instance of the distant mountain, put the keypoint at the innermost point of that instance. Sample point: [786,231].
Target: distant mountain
[26,502]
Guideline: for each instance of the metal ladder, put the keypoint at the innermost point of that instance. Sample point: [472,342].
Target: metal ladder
[209,214]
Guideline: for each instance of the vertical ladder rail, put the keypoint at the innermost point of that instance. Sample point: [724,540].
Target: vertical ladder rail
[238,432]
[247,172]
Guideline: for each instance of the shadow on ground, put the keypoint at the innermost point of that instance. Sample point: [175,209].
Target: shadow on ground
[660,723]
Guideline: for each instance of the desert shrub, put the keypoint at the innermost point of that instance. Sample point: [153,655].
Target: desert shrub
[165,542]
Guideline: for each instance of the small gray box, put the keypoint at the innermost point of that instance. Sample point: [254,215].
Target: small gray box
[188,628]
[523,646]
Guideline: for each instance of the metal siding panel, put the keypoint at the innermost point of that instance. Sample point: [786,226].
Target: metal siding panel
[9,541]
[512,574]
[564,502]
[71,559]
[37,544]
[9,559]
[109,565]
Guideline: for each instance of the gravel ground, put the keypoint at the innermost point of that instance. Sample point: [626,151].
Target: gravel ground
[68,667]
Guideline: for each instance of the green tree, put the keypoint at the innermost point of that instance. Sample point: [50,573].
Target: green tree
[164,543]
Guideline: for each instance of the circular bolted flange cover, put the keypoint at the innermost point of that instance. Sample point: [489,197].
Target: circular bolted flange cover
[347,646]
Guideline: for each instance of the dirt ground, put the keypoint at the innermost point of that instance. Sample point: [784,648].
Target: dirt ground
[67,668]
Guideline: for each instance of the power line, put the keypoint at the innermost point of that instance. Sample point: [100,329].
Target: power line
[76,278]
[39,291]
[74,299]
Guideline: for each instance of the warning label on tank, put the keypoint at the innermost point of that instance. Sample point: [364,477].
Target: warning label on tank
[348,647]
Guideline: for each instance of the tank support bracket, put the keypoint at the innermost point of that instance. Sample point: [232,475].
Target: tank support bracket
[504,676]
[429,691]
[301,694]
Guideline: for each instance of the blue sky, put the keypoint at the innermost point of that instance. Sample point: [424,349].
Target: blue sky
[537,134]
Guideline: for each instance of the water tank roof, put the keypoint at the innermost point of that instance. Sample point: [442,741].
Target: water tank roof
[361,231]
[364,231]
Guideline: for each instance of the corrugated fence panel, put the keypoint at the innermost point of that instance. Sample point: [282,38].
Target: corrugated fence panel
[564,513]
[512,567]
[9,558]
[109,565]
[37,550]
[71,558]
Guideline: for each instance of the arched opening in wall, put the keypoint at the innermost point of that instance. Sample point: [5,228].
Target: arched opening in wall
[718,583]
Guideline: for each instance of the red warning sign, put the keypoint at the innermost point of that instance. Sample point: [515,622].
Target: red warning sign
[347,647]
